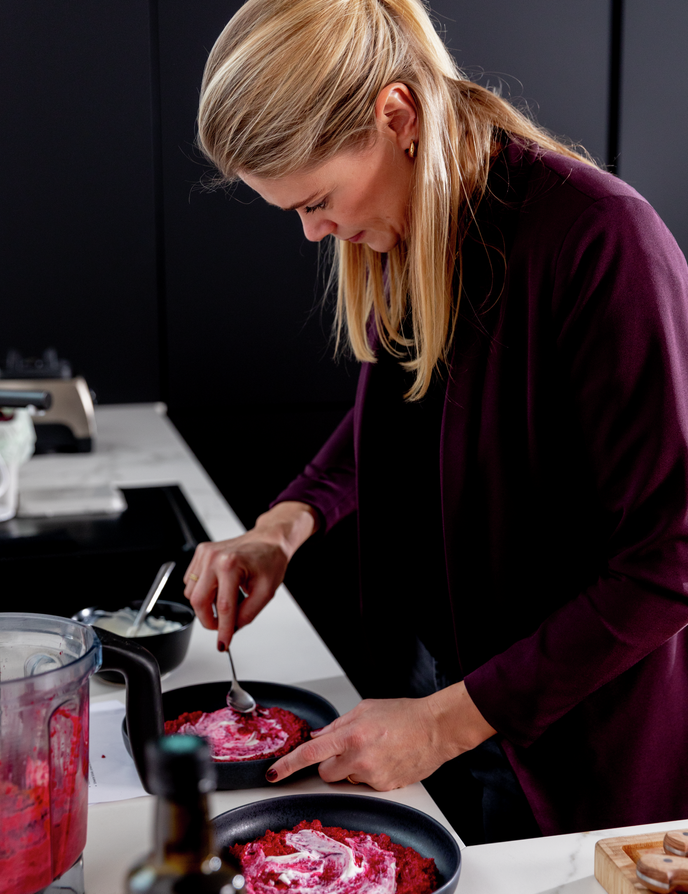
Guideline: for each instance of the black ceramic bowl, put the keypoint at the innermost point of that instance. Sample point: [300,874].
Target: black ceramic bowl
[231,775]
[168,649]
[359,813]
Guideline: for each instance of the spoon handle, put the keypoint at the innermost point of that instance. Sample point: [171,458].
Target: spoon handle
[237,697]
[231,664]
[153,594]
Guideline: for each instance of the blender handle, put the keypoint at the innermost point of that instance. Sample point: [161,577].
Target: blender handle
[41,400]
[144,693]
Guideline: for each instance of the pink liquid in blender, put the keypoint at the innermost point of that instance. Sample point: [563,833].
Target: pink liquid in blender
[43,823]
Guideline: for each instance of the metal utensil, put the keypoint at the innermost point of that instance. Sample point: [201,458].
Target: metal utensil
[156,589]
[237,697]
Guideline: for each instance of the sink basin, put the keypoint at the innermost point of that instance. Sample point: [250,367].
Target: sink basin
[58,566]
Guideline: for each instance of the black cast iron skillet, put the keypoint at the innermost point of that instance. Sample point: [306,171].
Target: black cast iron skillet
[312,708]
[358,813]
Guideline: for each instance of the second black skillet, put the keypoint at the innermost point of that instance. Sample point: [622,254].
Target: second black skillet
[312,708]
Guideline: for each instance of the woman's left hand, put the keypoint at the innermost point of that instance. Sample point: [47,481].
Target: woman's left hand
[390,743]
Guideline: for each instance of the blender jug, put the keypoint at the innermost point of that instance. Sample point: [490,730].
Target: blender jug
[45,665]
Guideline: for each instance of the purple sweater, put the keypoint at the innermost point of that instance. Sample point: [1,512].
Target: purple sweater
[564,491]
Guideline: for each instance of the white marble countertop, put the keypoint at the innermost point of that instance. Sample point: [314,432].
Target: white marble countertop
[137,444]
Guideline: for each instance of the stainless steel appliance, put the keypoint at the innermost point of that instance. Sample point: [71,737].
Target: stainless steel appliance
[69,424]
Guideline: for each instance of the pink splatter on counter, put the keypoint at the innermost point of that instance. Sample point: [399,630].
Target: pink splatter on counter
[265,732]
[331,860]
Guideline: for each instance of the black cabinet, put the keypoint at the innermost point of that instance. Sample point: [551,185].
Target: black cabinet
[77,231]
[551,56]
[654,108]
[241,281]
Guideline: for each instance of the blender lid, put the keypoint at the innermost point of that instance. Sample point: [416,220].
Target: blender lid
[39,653]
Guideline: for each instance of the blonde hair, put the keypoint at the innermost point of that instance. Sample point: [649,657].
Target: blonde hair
[290,83]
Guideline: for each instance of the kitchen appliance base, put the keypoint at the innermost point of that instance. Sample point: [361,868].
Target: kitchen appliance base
[70,882]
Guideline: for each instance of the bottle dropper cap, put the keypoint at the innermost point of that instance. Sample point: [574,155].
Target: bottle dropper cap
[180,765]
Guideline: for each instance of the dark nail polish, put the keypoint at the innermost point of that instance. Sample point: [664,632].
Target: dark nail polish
[271,775]
[221,647]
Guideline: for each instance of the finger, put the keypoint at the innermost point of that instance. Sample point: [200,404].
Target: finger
[190,577]
[226,605]
[338,725]
[339,768]
[360,771]
[261,592]
[190,581]
[312,752]
[193,571]
[322,731]
[202,599]
[188,574]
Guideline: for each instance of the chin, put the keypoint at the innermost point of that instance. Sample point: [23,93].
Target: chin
[383,244]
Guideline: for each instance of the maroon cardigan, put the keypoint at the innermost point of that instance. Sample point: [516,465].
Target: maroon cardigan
[564,478]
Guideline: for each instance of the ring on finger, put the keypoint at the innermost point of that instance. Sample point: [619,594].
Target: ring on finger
[352,781]
[193,577]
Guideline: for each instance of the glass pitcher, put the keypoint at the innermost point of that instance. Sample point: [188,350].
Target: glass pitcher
[45,665]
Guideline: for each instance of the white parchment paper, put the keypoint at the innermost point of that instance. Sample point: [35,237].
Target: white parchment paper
[112,775]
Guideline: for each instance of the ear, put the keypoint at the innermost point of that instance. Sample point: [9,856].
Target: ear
[396,115]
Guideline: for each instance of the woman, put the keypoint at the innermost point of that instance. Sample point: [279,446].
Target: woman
[517,455]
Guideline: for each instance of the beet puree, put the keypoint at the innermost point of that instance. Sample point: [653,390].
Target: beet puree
[47,817]
[265,732]
[333,860]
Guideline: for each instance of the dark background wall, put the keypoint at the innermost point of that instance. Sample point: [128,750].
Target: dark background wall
[157,289]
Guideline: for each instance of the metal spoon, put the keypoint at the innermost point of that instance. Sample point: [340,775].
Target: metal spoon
[156,589]
[237,697]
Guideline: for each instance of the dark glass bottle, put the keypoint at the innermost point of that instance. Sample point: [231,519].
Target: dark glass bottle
[183,860]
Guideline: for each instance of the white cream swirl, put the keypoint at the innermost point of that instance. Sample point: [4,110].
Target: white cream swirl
[233,737]
[324,865]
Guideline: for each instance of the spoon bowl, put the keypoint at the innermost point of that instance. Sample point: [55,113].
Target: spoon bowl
[237,697]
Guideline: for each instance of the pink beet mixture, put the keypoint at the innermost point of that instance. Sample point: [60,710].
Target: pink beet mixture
[331,860]
[265,732]
[53,800]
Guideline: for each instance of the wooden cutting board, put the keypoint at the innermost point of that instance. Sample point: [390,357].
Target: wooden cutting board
[615,860]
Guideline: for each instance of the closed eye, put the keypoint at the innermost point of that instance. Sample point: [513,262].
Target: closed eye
[311,208]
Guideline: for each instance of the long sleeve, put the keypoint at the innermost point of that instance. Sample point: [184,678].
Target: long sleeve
[328,483]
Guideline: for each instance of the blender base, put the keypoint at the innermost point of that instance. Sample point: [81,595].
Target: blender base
[70,882]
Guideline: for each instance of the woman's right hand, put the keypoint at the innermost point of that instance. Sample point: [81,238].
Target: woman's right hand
[254,563]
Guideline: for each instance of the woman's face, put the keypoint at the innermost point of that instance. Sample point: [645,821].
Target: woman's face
[360,196]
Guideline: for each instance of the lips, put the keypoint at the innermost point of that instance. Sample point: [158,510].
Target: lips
[357,237]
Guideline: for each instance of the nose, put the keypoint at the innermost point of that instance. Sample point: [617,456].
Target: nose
[316,228]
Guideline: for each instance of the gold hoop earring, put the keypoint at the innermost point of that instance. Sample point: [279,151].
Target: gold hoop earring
[412,149]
